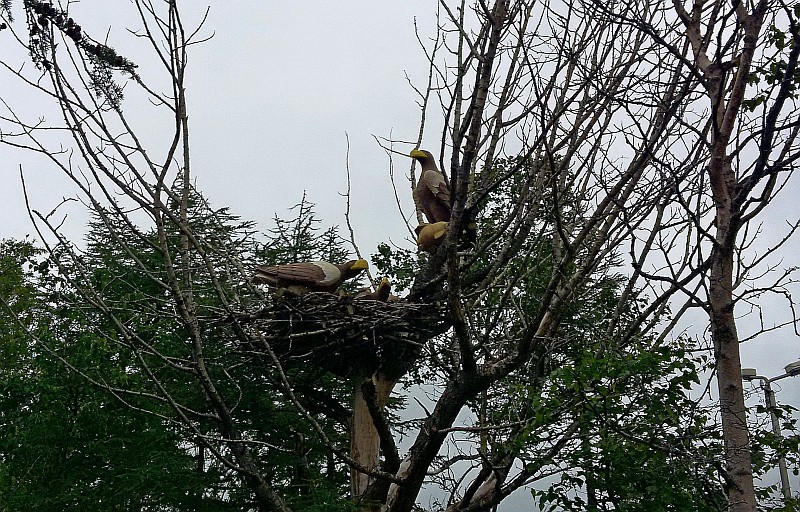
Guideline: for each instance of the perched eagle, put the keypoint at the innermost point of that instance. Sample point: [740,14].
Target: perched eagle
[382,293]
[310,276]
[431,195]
[430,236]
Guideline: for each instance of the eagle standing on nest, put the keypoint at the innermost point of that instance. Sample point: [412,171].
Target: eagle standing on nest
[310,276]
[431,195]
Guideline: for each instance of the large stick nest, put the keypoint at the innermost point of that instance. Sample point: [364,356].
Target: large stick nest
[348,335]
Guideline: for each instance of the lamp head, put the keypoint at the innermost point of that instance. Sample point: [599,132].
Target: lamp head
[749,373]
[793,369]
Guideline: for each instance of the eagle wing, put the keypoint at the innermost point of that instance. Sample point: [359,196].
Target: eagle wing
[307,273]
[432,196]
[437,185]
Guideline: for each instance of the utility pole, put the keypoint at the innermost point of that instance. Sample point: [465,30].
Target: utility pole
[750,374]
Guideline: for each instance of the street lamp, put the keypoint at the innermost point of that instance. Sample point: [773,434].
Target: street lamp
[791,370]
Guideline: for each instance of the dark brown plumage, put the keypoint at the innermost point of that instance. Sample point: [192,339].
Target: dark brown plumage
[431,195]
[431,236]
[310,276]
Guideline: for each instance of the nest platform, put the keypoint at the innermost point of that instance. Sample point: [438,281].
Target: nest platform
[347,335]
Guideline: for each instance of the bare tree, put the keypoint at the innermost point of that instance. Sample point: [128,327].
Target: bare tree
[612,97]
[610,200]
[567,89]
[746,145]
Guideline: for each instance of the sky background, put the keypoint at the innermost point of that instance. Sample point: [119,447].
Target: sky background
[274,96]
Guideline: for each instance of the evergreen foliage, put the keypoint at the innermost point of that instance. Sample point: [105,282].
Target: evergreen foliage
[122,447]
[45,21]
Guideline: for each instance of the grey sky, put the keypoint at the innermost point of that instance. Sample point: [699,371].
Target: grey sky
[271,97]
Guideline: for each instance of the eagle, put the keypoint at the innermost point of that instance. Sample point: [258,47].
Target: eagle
[431,236]
[309,276]
[431,195]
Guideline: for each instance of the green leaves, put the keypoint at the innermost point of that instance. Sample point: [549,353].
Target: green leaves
[638,442]
[401,265]
[779,68]
[67,443]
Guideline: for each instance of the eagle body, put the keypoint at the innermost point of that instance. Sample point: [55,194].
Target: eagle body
[431,236]
[309,276]
[431,195]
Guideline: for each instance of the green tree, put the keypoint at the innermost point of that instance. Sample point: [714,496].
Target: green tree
[68,444]
[86,401]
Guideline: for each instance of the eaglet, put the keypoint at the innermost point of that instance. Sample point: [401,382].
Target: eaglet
[383,293]
[310,276]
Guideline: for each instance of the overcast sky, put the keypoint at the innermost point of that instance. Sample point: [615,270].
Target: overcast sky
[271,98]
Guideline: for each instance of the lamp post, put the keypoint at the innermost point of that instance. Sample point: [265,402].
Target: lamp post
[791,370]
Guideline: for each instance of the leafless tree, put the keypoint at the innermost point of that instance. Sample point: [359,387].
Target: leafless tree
[649,118]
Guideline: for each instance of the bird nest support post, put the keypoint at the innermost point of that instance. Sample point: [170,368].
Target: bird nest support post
[347,335]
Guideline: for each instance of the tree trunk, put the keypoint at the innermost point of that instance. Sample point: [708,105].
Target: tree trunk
[739,478]
[725,82]
[738,464]
[365,442]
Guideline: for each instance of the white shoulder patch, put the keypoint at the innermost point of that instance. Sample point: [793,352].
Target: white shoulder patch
[331,272]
